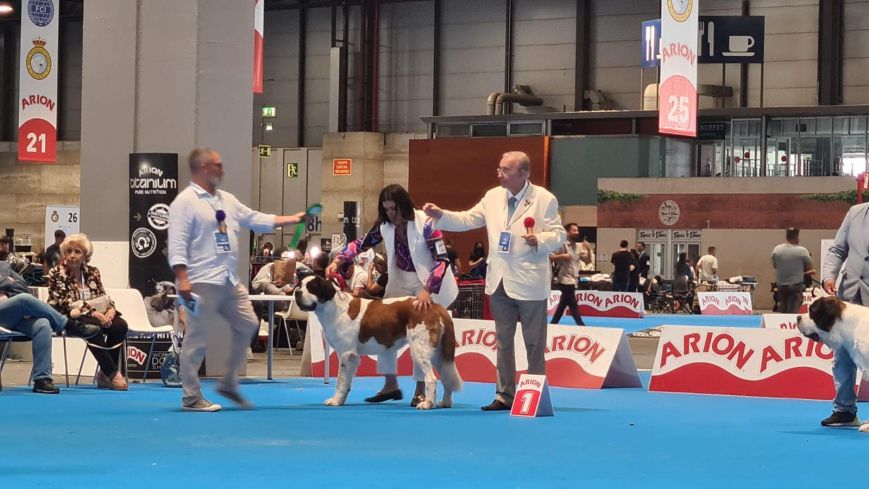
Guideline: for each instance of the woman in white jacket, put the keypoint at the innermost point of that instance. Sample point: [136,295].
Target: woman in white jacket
[417,264]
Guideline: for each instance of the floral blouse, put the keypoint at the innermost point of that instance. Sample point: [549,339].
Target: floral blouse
[63,291]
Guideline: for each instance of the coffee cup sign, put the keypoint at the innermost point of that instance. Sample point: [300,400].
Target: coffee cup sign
[668,212]
[740,44]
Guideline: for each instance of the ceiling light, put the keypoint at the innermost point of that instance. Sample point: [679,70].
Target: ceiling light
[6,8]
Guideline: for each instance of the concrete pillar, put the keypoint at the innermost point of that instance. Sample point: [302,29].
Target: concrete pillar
[364,183]
[163,76]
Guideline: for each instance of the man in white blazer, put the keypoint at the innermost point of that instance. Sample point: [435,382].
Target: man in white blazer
[518,271]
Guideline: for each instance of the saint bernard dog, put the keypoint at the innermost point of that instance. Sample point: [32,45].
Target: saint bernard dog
[355,327]
[838,324]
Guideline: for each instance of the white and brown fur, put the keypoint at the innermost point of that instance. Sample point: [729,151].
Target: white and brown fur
[838,324]
[355,327]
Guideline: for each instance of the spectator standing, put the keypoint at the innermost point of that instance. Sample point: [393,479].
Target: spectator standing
[622,261]
[51,256]
[643,260]
[684,275]
[477,260]
[707,267]
[792,264]
[567,263]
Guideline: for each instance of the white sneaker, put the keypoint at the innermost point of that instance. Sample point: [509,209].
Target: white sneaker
[249,355]
[202,406]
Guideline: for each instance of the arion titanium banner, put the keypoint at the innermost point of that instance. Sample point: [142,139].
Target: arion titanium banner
[153,187]
[258,46]
[37,81]
[677,113]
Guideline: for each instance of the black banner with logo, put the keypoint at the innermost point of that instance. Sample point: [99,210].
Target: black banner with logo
[153,186]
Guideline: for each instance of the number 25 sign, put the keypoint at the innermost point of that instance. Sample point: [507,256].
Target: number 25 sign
[532,397]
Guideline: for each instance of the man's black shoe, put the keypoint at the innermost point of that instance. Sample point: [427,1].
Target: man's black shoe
[841,418]
[76,329]
[496,406]
[45,386]
[385,396]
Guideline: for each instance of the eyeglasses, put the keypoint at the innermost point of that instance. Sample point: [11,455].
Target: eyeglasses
[218,164]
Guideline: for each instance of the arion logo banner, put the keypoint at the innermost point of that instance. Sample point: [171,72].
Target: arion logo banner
[677,113]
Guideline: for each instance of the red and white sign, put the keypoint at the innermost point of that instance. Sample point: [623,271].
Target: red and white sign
[762,362]
[780,321]
[724,303]
[342,167]
[604,304]
[258,15]
[532,397]
[677,113]
[37,81]
[587,357]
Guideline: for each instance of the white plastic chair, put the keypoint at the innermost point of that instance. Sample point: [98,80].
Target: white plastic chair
[296,315]
[131,305]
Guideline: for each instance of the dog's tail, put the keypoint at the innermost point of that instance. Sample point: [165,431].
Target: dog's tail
[450,377]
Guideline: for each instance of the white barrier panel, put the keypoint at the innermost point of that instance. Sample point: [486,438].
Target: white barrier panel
[579,357]
[603,304]
[761,362]
[780,321]
[724,303]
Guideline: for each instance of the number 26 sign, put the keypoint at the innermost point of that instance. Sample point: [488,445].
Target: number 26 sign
[532,397]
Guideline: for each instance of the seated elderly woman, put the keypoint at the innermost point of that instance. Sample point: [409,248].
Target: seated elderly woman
[75,289]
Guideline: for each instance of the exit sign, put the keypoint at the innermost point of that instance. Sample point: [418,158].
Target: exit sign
[269,111]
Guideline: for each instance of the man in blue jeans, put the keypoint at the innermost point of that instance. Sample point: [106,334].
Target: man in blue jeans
[21,312]
[848,259]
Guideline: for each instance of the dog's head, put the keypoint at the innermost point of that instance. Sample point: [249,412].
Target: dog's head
[823,315]
[313,291]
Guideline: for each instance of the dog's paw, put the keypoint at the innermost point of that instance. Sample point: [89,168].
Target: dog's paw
[425,405]
[445,404]
[334,401]
[864,428]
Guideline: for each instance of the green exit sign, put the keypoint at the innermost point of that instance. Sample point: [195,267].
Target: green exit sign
[269,111]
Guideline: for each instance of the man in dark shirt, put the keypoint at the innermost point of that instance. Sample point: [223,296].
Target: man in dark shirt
[643,262]
[622,261]
[51,256]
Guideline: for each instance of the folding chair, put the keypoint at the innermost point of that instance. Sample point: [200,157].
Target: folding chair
[7,337]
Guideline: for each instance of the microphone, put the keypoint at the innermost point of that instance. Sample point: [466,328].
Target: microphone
[529,225]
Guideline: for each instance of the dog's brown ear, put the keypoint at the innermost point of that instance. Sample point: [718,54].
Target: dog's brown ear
[825,312]
[322,289]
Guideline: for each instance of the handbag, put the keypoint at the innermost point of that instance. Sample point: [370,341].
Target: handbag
[99,304]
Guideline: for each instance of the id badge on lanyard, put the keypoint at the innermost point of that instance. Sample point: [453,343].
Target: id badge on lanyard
[221,243]
[504,241]
[221,237]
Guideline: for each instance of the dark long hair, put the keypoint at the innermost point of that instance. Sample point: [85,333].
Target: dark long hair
[403,203]
[478,253]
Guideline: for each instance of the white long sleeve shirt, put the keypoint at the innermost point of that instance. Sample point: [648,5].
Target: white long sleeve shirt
[192,228]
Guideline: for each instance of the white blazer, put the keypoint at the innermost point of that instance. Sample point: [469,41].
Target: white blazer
[524,270]
[422,259]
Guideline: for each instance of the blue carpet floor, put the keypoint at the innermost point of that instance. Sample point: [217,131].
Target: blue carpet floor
[652,320]
[618,438]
